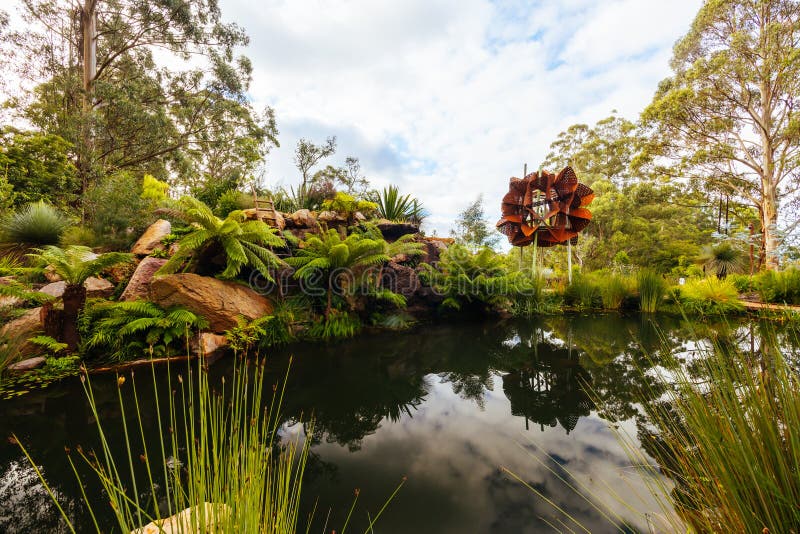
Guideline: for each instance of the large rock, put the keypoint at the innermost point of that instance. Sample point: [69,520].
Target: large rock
[140,281]
[211,346]
[28,364]
[400,279]
[280,222]
[434,246]
[151,238]
[219,302]
[303,219]
[394,230]
[330,217]
[188,521]
[22,328]
[95,288]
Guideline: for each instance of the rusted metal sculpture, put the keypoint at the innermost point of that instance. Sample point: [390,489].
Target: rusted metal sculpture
[545,209]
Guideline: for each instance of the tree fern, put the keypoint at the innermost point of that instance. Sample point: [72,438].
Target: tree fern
[244,243]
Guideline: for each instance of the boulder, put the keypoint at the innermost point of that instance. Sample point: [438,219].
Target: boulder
[187,521]
[359,217]
[211,345]
[20,329]
[218,301]
[400,279]
[280,222]
[304,219]
[8,301]
[151,238]
[394,230]
[330,217]
[140,281]
[95,288]
[28,364]
[434,246]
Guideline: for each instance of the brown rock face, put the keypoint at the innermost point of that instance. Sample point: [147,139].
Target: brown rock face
[151,238]
[219,302]
[394,230]
[95,288]
[434,246]
[22,328]
[140,281]
[400,279]
[304,219]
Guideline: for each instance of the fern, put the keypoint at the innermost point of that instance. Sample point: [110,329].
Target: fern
[48,343]
[244,243]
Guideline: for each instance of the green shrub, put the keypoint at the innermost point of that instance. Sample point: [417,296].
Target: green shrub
[232,200]
[116,210]
[780,287]
[651,287]
[34,224]
[614,289]
[79,235]
[266,331]
[710,296]
[129,330]
[532,298]
[744,283]
[338,325]
[582,293]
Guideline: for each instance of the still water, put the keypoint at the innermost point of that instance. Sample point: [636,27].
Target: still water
[445,406]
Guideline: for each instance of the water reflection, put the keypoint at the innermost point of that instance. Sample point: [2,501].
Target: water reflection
[445,405]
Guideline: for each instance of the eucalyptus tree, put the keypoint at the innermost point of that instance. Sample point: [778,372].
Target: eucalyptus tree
[729,112]
[148,86]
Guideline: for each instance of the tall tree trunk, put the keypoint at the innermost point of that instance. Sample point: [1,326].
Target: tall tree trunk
[74,300]
[88,14]
[769,193]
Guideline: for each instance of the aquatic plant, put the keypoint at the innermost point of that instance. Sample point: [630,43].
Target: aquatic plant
[614,289]
[243,243]
[336,325]
[33,225]
[651,287]
[234,475]
[582,292]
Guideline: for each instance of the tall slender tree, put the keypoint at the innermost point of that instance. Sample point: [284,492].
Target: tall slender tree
[729,114]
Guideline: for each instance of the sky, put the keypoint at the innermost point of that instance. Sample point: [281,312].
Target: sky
[447,99]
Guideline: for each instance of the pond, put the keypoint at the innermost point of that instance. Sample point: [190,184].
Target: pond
[445,406]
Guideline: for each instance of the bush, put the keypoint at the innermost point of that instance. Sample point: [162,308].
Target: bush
[780,287]
[744,283]
[232,200]
[78,235]
[710,296]
[36,224]
[116,210]
[651,288]
[338,325]
[582,293]
[614,290]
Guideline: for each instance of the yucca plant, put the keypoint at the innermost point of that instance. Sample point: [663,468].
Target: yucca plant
[124,330]
[241,242]
[76,264]
[651,288]
[34,225]
[396,207]
[331,256]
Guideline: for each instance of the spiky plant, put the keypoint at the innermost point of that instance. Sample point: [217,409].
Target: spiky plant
[75,265]
[242,242]
[723,258]
[333,256]
[35,224]
[396,207]
[127,329]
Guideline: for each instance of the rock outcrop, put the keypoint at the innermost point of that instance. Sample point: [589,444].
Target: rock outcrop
[139,283]
[151,238]
[20,329]
[28,364]
[219,302]
[95,288]
[394,230]
[301,219]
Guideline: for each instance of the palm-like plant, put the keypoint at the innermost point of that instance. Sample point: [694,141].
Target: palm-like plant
[396,207]
[403,246]
[724,259]
[131,328]
[76,264]
[243,243]
[333,256]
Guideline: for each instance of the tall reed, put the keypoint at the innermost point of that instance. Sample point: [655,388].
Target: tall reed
[651,288]
[218,454]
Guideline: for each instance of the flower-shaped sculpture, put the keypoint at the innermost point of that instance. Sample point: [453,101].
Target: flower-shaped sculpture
[545,208]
